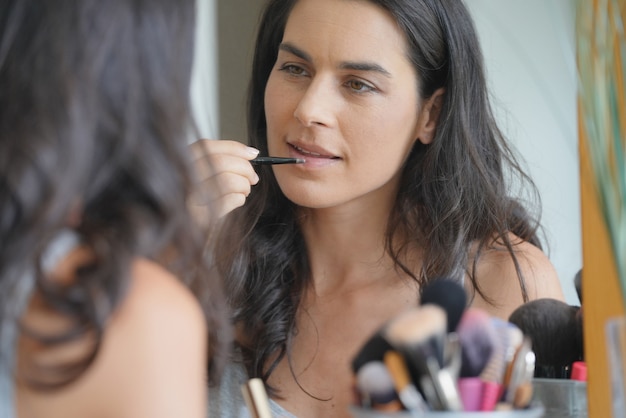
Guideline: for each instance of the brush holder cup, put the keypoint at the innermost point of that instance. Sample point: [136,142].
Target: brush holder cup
[616,347]
[533,412]
[561,398]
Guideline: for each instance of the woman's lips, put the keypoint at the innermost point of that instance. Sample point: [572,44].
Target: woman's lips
[312,152]
[313,156]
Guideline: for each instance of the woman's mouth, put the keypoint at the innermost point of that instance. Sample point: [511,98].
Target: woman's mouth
[311,153]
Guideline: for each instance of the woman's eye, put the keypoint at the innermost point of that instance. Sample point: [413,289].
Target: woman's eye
[359,86]
[292,69]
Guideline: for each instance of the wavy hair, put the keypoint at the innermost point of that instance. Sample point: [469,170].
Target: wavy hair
[454,197]
[95,119]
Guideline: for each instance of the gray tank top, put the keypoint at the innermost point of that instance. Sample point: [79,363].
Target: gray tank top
[226,400]
[13,298]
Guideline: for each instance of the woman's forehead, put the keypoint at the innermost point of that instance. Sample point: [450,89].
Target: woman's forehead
[354,27]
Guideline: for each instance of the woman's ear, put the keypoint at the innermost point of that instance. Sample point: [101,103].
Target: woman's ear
[429,116]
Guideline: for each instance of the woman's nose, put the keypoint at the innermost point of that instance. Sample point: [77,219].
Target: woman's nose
[316,105]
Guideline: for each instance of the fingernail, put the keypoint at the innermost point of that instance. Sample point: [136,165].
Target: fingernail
[255,179]
[253,152]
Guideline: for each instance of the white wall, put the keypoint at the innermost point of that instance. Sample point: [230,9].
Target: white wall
[529,50]
[205,80]
[529,53]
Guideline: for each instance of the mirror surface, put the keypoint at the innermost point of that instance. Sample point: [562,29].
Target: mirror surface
[530,60]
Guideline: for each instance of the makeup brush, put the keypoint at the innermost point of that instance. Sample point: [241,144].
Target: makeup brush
[478,340]
[445,293]
[493,372]
[516,338]
[376,387]
[276,160]
[449,295]
[477,336]
[519,385]
[406,390]
[578,285]
[420,336]
[556,331]
[419,331]
[374,349]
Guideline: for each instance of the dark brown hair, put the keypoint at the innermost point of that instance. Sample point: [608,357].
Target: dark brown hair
[95,114]
[453,196]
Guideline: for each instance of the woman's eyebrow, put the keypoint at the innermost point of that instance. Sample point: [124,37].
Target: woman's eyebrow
[292,49]
[365,66]
[348,65]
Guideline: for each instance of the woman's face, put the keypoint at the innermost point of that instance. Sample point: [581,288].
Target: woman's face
[343,96]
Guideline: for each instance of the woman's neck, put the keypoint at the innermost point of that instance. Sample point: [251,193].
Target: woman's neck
[346,246]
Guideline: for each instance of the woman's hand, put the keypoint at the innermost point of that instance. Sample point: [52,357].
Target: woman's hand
[225,176]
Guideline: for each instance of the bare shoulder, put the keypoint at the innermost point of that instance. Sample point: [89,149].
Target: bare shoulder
[155,296]
[152,360]
[498,279]
[155,348]
[156,308]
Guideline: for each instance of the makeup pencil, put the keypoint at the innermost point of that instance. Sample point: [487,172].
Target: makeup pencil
[275,160]
[256,398]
